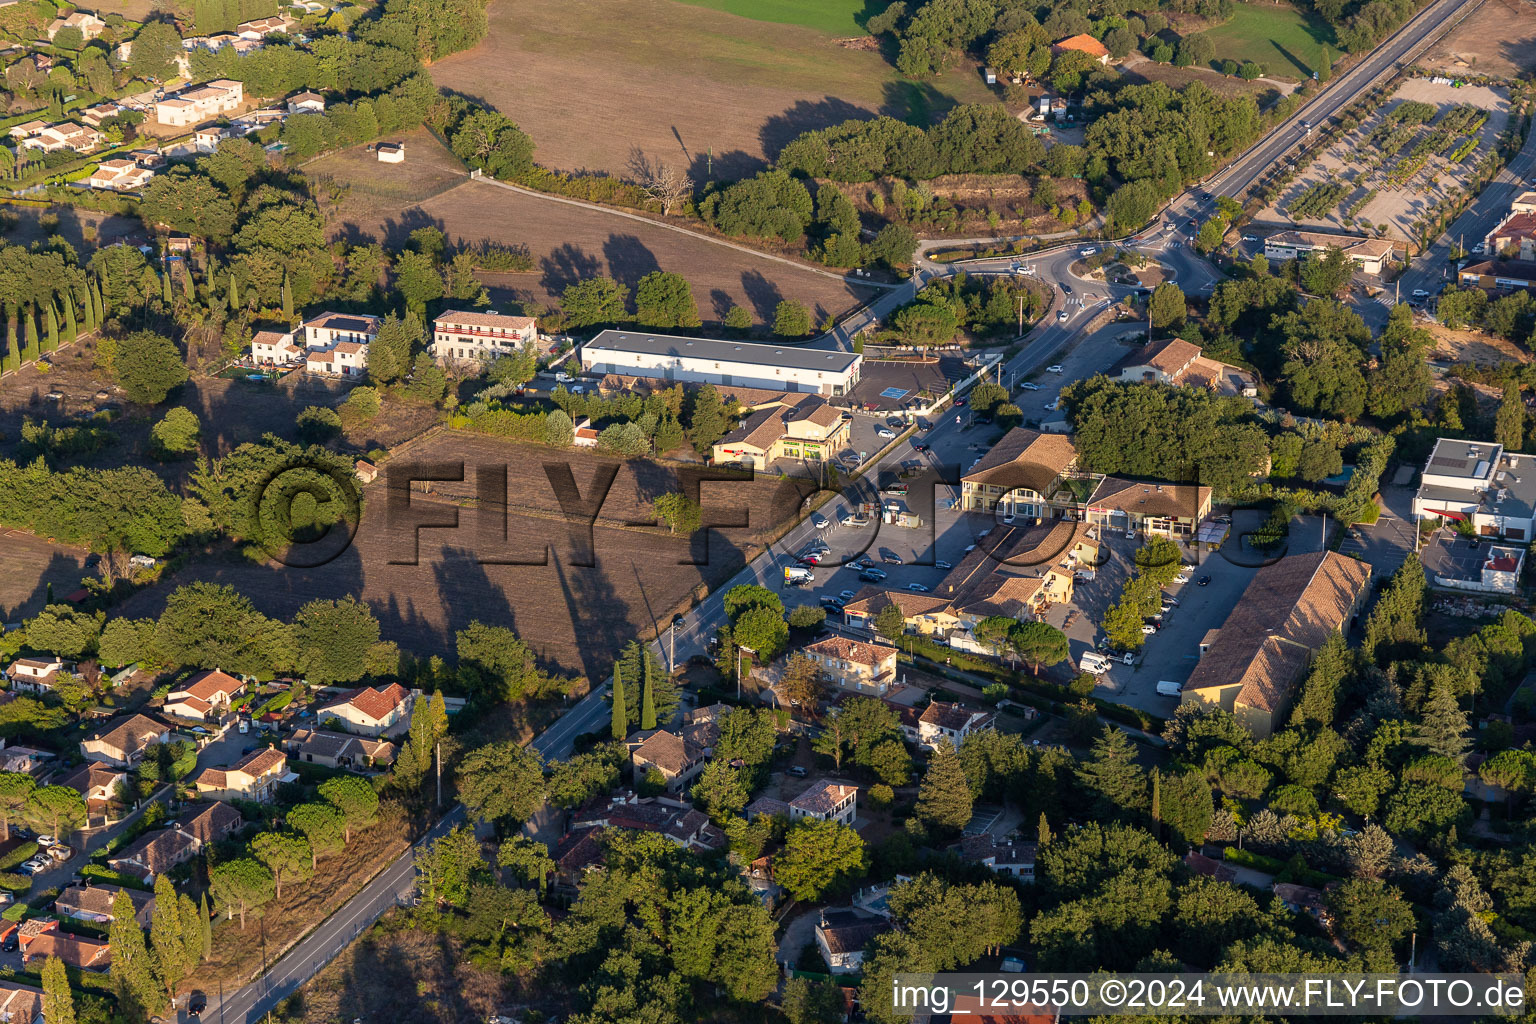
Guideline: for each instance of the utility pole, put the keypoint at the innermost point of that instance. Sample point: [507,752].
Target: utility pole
[1021,316]
[672,647]
[438,755]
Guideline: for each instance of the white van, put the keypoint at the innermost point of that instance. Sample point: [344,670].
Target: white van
[1168,688]
[796,574]
[1094,662]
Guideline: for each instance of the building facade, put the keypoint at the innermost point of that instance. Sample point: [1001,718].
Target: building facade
[462,336]
[729,363]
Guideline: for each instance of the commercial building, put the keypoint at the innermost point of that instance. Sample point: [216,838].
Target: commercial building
[1463,563]
[1023,475]
[704,361]
[1479,483]
[1258,656]
[462,336]
[1141,506]
[868,668]
[1371,255]
[792,426]
[1498,275]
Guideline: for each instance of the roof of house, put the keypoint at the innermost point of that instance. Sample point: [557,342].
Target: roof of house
[1518,225]
[361,323]
[788,356]
[857,651]
[21,1004]
[1200,864]
[74,951]
[97,899]
[209,684]
[823,796]
[255,764]
[129,734]
[1287,611]
[847,930]
[1024,458]
[1352,245]
[272,338]
[92,775]
[1517,270]
[207,822]
[464,318]
[1300,895]
[871,600]
[306,97]
[1169,356]
[1150,498]
[1002,576]
[1085,43]
[769,423]
[678,821]
[323,743]
[987,847]
[374,701]
[579,849]
[771,806]
[668,751]
[949,715]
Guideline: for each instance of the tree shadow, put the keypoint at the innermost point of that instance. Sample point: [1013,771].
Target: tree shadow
[806,116]
[566,265]
[1300,65]
[709,167]
[61,572]
[720,302]
[629,259]
[762,293]
[917,103]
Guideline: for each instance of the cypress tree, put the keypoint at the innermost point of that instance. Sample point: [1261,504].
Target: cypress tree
[132,971]
[53,327]
[165,287]
[287,299]
[1043,831]
[648,696]
[29,340]
[202,910]
[98,308]
[620,709]
[10,339]
[58,1000]
[187,288]
[234,293]
[71,328]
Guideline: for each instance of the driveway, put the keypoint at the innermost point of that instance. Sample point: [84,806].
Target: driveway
[798,933]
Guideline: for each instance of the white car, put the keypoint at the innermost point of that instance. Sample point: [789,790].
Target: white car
[1053,406]
[885,432]
[563,377]
[1420,293]
[1087,252]
[820,521]
[941,564]
[1054,368]
[917,588]
[1181,579]
[1029,385]
[1149,630]
[1061,315]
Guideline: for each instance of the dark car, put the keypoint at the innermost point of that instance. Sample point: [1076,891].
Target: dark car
[10,943]
[196,1004]
[832,604]
[959,402]
[1203,581]
[869,577]
[919,447]
[1066,288]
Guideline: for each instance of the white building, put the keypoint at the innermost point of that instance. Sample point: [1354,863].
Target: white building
[275,348]
[826,801]
[1478,483]
[119,175]
[199,104]
[390,152]
[952,722]
[89,25]
[329,329]
[306,103]
[68,135]
[1369,254]
[729,363]
[458,335]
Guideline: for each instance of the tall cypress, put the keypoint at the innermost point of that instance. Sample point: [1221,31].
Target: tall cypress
[234,293]
[52,337]
[620,722]
[98,307]
[648,695]
[29,340]
[187,288]
[165,287]
[287,298]
[71,328]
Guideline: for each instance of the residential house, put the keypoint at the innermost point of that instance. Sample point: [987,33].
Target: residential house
[41,939]
[89,25]
[67,135]
[157,852]
[119,175]
[1301,899]
[329,329]
[202,103]
[306,103]
[94,116]
[678,822]
[1011,857]
[578,853]
[365,471]
[1148,507]
[1200,864]
[676,758]
[1019,572]
[674,358]
[340,750]
[946,721]
[207,139]
[37,675]
[254,777]
[24,760]
[1514,239]
[93,903]
[1370,255]
[767,805]
[461,336]
[584,434]
[259,28]
[203,695]
[1498,275]
[122,741]
[1525,202]
[1021,475]
[1482,484]
[1083,43]
[20,1004]
[843,933]
[370,710]
[793,426]
[98,785]
[1265,646]
[1179,362]
[826,801]
[868,668]
[274,348]
[924,613]
[345,358]
[26,130]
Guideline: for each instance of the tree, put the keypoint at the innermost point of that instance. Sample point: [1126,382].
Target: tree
[286,855]
[58,1000]
[1393,630]
[665,300]
[148,366]
[1039,643]
[1250,71]
[894,245]
[177,432]
[791,319]
[667,184]
[804,1002]
[133,972]
[944,798]
[1443,727]
[762,631]
[681,513]
[169,933]
[648,699]
[15,794]
[446,867]
[418,280]
[594,302]
[392,349]
[618,711]
[956,924]
[819,857]
[354,798]
[1184,805]
[1369,913]
[1167,307]
[333,639]
[1509,425]
[891,622]
[322,825]
[802,682]
[57,810]
[239,886]
[1112,775]
[502,783]
[1326,273]
[722,790]
[527,858]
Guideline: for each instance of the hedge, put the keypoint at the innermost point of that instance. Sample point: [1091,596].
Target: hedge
[1277,867]
[105,874]
[12,882]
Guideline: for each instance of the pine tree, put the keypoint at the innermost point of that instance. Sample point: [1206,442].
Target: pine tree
[620,709]
[648,698]
[206,923]
[287,298]
[58,1000]
[132,971]
[944,798]
[1111,773]
[51,338]
[1443,727]
[1043,831]
[1395,621]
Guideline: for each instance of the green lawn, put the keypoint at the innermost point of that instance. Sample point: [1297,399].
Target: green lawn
[839,18]
[1288,43]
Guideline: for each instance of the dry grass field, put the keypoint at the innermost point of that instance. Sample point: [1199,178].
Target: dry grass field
[355,188]
[571,243]
[592,79]
[1497,39]
[425,585]
[28,564]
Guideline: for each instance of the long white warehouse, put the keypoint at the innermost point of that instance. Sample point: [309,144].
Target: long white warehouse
[734,363]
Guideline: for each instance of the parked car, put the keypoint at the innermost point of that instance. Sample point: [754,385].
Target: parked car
[46,841]
[941,564]
[797,771]
[917,588]
[869,577]
[885,432]
[1029,385]
[1148,630]
[563,377]
[846,595]
[855,521]
[831,603]
[1181,578]
[820,521]
[891,559]
[874,570]
[1054,368]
